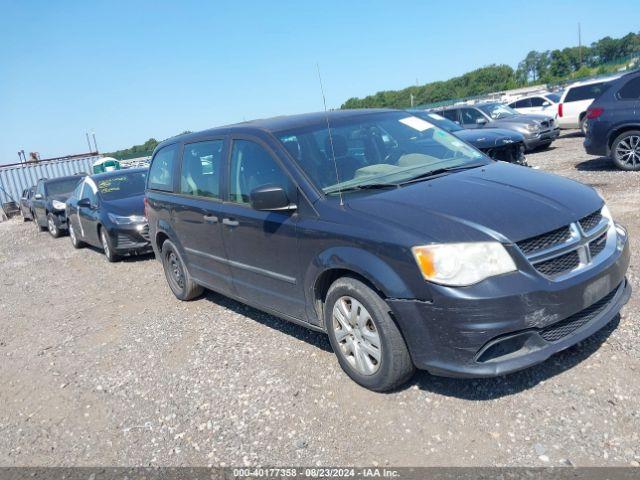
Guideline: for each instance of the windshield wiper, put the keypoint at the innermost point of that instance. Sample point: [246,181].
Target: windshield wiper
[364,186]
[439,171]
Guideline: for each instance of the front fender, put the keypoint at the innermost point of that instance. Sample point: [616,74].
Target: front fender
[373,268]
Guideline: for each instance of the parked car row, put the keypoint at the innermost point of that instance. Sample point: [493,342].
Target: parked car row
[103,210]
[406,245]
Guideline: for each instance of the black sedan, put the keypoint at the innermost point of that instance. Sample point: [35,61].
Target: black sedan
[48,203]
[107,211]
[497,143]
[26,209]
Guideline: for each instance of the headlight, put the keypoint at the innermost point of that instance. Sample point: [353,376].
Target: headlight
[58,205]
[533,127]
[606,213]
[126,220]
[460,264]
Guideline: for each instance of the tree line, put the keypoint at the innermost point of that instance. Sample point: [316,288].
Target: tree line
[551,66]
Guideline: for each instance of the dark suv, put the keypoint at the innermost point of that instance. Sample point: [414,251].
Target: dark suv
[408,247]
[613,123]
[48,203]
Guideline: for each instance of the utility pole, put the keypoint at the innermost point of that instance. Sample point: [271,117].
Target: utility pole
[411,98]
[580,43]
[88,141]
[94,141]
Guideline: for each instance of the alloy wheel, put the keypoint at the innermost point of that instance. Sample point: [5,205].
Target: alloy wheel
[105,244]
[628,151]
[52,226]
[72,234]
[357,335]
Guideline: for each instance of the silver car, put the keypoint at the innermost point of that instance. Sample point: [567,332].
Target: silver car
[539,131]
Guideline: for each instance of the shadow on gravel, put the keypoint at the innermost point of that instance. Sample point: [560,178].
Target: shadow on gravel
[571,134]
[128,259]
[600,164]
[317,339]
[492,388]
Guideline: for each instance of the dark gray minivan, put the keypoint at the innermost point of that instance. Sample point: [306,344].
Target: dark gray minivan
[407,246]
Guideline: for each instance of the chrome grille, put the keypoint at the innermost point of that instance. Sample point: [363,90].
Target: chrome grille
[591,221]
[559,330]
[560,252]
[597,246]
[544,241]
[558,265]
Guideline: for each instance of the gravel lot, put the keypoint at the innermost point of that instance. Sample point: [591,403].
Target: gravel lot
[101,365]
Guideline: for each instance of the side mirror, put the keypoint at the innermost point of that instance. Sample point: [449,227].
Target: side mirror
[481,121]
[84,203]
[270,198]
[38,196]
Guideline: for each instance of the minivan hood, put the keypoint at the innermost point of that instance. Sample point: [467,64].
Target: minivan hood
[499,200]
[126,206]
[489,137]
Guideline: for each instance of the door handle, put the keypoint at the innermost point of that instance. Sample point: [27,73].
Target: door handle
[210,219]
[230,223]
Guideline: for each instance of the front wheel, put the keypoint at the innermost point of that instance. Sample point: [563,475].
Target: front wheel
[583,126]
[625,151]
[107,246]
[178,278]
[364,337]
[52,227]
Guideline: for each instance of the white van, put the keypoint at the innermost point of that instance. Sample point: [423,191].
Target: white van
[575,100]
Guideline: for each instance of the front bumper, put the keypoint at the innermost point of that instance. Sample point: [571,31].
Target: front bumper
[543,138]
[510,322]
[132,238]
[60,219]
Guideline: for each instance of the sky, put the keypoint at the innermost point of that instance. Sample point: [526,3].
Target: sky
[131,70]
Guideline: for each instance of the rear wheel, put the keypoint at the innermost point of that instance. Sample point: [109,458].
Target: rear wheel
[37,224]
[364,337]
[625,150]
[178,278]
[74,238]
[107,246]
[52,227]
[583,125]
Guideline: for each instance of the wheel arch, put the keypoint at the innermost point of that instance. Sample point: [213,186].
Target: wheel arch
[619,130]
[351,262]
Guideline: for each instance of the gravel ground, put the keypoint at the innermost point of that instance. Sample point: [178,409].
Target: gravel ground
[101,365]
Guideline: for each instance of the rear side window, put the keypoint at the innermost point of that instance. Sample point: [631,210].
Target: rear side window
[162,168]
[252,167]
[450,114]
[200,172]
[536,101]
[631,90]
[585,92]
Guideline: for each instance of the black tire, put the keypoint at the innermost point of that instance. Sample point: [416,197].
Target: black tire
[395,366]
[74,238]
[54,231]
[178,278]
[583,125]
[107,246]
[618,160]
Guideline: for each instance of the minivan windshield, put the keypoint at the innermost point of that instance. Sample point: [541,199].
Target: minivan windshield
[122,186]
[376,149]
[62,187]
[497,110]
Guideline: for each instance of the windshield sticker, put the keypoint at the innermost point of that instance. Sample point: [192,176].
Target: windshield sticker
[416,123]
[436,116]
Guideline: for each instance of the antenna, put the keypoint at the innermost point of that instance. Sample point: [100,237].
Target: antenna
[333,154]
